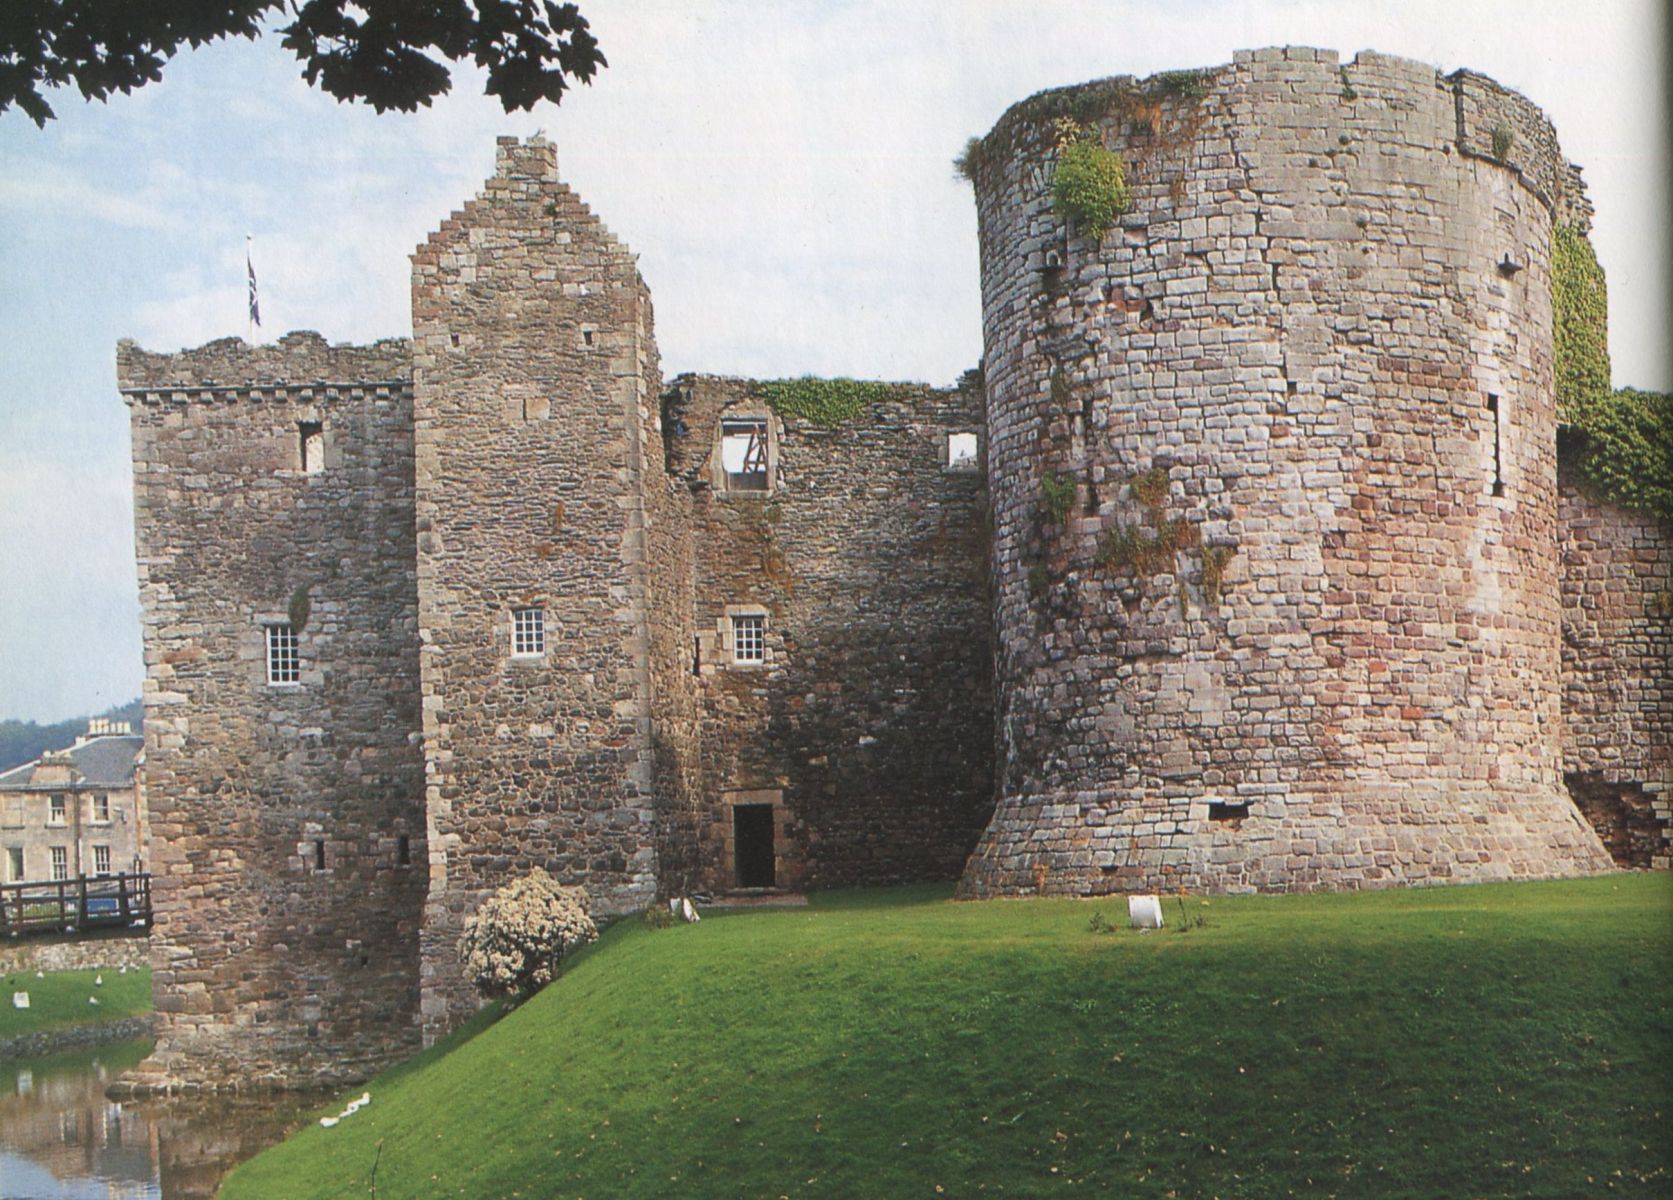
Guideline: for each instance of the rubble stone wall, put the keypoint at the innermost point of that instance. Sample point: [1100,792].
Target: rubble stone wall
[868,724]
[533,370]
[269,966]
[1313,359]
[1617,588]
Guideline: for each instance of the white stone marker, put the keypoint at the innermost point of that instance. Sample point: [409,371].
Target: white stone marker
[1144,912]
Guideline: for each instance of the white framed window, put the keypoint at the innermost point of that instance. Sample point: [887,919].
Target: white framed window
[60,862]
[528,632]
[963,452]
[101,860]
[101,808]
[55,808]
[284,663]
[749,638]
[14,864]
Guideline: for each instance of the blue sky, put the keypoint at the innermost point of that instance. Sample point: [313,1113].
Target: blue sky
[783,171]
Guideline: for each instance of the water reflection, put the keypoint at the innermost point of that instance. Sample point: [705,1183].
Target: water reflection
[61,1139]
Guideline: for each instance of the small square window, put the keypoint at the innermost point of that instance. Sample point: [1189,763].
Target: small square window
[962,452]
[528,632]
[311,436]
[749,638]
[55,810]
[60,862]
[743,455]
[101,860]
[284,664]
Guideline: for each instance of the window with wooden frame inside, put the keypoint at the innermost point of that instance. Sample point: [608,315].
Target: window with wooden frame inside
[749,638]
[101,809]
[743,455]
[284,663]
[528,632]
[60,862]
[14,864]
[310,436]
[55,810]
[101,860]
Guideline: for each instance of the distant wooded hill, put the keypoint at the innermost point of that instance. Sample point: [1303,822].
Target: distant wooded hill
[23,741]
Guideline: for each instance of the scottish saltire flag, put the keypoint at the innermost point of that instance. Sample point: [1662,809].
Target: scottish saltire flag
[250,266]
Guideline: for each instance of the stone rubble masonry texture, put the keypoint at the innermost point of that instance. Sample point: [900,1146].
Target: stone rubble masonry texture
[1299,323]
[1617,588]
[267,968]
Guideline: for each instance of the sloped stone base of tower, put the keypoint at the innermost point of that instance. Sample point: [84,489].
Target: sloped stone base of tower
[1367,838]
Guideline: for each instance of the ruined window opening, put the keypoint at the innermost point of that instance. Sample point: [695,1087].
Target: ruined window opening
[101,860]
[752,842]
[311,438]
[528,632]
[963,452]
[14,864]
[403,851]
[55,810]
[284,663]
[743,455]
[60,862]
[749,638]
[319,854]
[1226,810]
[1498,445]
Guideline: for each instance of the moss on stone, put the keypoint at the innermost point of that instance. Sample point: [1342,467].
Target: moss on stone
[828,402]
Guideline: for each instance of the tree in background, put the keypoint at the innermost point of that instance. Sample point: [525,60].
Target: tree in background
[380,51]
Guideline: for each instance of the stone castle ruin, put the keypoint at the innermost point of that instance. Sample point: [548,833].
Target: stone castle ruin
[1244,563]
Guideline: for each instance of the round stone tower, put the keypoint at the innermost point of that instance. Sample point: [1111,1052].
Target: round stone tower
[1273,475]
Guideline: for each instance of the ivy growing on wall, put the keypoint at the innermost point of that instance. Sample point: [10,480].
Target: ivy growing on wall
[824,401]
[1580,304]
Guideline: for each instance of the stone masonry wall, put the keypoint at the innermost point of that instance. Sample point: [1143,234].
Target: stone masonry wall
[534,364]
[1617,585]
[868,725]
[1297,363]
[270,967]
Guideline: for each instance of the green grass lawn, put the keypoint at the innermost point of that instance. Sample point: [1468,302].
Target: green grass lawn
[61,997]
[1503,1040]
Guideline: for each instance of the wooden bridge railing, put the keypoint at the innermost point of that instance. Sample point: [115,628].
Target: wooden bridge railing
[76,905]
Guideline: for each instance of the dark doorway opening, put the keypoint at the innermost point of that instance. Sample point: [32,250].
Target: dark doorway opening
[752,840]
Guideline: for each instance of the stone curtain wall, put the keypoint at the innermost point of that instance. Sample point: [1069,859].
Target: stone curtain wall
[1617,584]
[533,357]
[869,723]
[1288,344]
[267,967]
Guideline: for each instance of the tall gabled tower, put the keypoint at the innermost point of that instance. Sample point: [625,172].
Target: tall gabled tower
[535,381]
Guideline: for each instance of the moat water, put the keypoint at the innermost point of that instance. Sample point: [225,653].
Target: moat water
[62,1139]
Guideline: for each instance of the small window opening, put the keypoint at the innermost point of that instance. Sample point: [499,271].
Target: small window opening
[319,854]
[749,638]
[752,841]
[1498,446]
[1226,810]
[587,336]
[697,655]
[311,435]
[962,452]
[403,850]
[528,632]
[1148,312]
[454,338]
[743,455]
[284,664]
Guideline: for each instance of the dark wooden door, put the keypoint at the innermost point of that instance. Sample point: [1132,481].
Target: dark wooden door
[752,840]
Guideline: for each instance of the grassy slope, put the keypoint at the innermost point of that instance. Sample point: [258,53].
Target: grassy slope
[61,999]
[1480,1041]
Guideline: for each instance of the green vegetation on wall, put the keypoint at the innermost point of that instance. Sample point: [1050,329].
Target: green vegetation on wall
[824,401]
[1626,450]
[1090,184]
[1057,495]
[1580,310]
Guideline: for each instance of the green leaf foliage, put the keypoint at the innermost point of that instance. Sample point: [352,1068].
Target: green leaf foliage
[1580,309]
[1090,186]
[824,401]
[1626,452]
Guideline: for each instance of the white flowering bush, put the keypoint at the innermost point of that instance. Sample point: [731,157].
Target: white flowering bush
[513,945]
